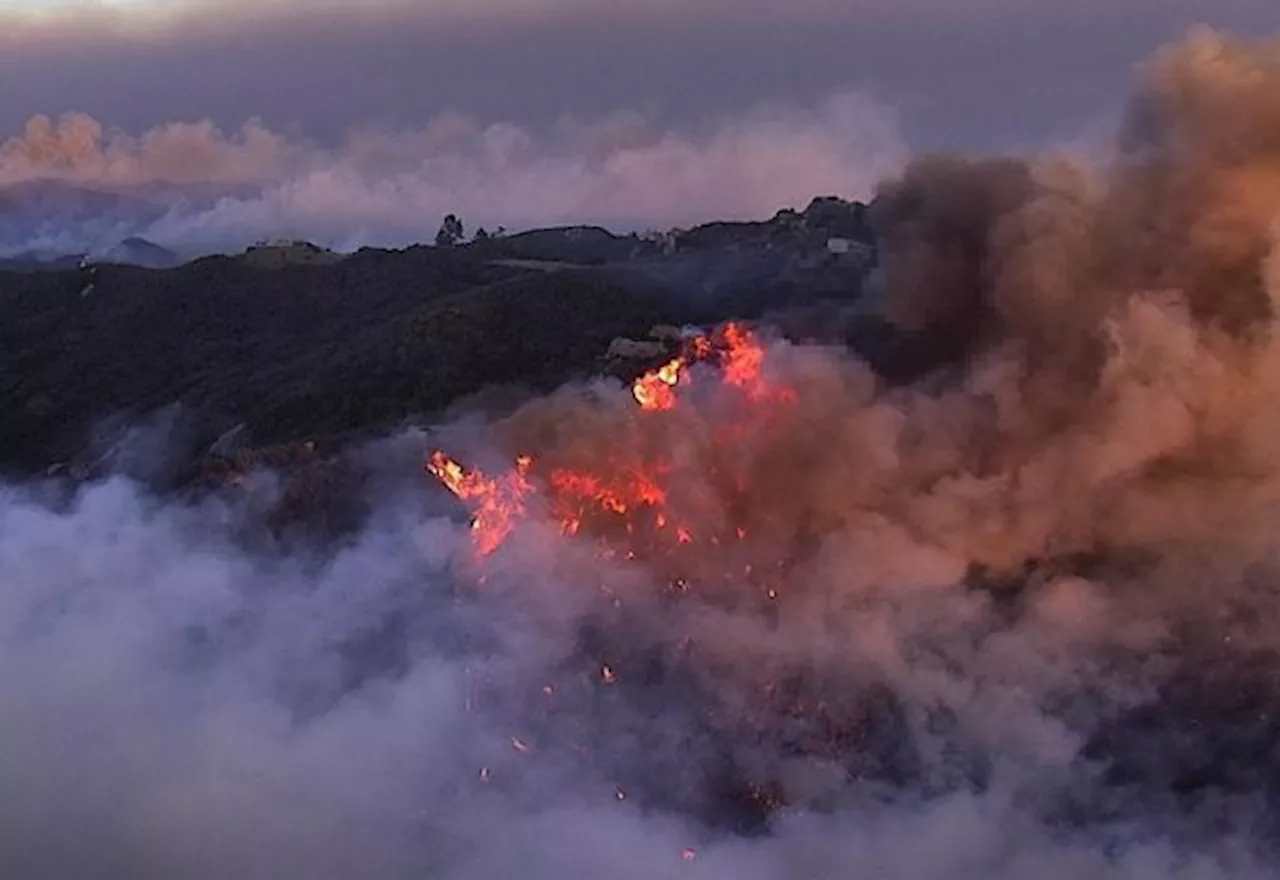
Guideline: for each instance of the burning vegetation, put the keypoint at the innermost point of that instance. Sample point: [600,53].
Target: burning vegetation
[635,496]
[812,573]
[679,505]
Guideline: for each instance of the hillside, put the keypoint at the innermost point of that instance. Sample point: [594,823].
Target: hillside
[319,350]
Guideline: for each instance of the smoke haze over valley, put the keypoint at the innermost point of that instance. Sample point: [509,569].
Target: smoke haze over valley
[195,189]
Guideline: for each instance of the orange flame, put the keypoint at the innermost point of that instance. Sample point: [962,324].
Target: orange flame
[741,356]
[629,500]
[743,365]
[654,390]
[497,502]
[743,359]
[632,495]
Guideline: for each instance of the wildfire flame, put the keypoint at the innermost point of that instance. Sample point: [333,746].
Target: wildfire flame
[655,390]
[631,499]
[496,502]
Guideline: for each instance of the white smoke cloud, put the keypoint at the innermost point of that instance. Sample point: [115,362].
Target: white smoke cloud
[205,190]
[174,706]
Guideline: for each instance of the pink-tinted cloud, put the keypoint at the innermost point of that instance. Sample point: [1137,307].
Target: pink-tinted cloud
[390,187]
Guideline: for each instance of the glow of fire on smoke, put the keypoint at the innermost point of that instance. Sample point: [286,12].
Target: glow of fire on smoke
[633,495]
[498,503]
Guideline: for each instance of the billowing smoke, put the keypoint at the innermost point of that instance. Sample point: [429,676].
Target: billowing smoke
[192,188]
[1015,620]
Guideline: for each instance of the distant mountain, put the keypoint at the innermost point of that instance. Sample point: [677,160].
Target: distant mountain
[54,224]
[54,221]
[137,251]
[133,251]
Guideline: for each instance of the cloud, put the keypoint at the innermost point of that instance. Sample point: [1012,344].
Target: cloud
[239,12]
[137,15]
[208,190]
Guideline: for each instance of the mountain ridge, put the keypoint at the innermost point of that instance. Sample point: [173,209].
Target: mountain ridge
[309,345]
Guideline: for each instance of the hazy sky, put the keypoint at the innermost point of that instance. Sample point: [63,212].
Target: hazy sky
[347,122]
[963,73]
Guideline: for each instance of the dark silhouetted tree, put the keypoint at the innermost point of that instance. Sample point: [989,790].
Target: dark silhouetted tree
[451,231]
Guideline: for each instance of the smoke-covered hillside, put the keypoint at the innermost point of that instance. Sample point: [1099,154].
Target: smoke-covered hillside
[981,585]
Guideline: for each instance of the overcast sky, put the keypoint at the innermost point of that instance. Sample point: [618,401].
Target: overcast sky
[961,73]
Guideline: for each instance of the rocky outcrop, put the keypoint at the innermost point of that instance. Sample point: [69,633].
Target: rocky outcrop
[278,254]
[622,349]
